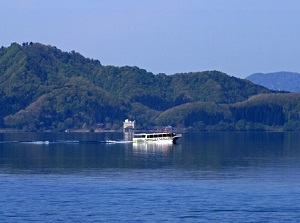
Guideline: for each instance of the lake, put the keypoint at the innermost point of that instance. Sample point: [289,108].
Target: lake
[204,177]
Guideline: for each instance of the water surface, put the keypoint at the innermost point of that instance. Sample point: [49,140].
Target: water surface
[205,177]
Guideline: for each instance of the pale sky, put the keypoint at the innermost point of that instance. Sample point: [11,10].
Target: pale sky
[237,37]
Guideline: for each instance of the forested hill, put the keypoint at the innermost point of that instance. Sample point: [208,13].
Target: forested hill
[44,88]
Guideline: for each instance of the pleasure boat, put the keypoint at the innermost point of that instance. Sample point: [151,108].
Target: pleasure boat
[156,137]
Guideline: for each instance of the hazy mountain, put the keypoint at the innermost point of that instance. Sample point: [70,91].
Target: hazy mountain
[279,81]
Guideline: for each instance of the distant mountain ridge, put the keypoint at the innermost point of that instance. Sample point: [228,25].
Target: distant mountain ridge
[279,81]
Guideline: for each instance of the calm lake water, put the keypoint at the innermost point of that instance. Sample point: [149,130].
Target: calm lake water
[205,177]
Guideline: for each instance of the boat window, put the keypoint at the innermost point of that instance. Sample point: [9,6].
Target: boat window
[139,136]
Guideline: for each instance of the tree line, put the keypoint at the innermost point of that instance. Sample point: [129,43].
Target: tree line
[43,88]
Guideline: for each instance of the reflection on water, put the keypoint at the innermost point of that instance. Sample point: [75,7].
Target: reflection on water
[128,135]
[155,147]
[206,151]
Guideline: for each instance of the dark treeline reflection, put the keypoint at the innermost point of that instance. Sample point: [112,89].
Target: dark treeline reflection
[210,151]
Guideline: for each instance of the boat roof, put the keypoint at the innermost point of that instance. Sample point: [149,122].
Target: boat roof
[154,133]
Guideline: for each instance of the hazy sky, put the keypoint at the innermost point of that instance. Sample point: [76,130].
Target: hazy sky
[238,37]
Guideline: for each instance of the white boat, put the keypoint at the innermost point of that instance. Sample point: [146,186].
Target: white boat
[156,137]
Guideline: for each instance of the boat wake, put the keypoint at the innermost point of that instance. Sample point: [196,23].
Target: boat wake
[66,142]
